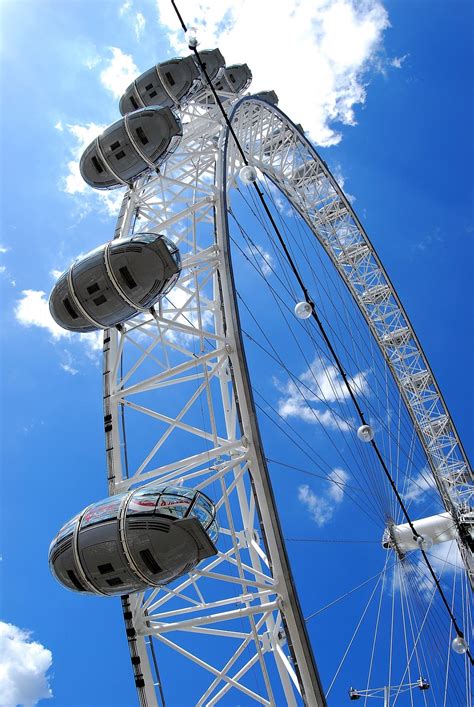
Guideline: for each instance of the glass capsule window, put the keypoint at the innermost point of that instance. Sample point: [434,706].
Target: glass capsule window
[101,511]
[172,505]
[143,500]
[177,502]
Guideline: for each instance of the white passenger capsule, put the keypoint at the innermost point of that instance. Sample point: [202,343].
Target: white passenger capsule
[233,79]
[114,282]
[129,542]
[166,84]
[365,433]
[140,141]
[303,310]
[213,63]
[268,97]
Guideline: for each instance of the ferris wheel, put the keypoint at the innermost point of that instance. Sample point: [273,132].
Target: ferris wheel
[194,534]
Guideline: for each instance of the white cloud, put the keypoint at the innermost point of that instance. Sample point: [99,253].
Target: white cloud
[119,72]
[125,8]
[323,506]
[4,272]
[137,18]
[23,667]
[418,486]
[32,310]
[59,126]
[398,61]
[339,479]
[319,383]
[139,24]
[67,366]
[316,54]
[261,257]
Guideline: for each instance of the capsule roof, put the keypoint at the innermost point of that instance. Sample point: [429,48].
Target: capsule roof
[268,96]
[233,79]
[171,82]
[166,84]
[134,144]
[114,282]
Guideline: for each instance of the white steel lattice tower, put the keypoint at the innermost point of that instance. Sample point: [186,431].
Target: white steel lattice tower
[180,376]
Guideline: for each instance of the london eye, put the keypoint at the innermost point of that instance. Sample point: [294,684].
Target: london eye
[197,534]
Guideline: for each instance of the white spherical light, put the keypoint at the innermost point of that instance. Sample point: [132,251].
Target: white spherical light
[248,174]
[303,310]
[425,542]
[459,645]
[365,433]
[191,38]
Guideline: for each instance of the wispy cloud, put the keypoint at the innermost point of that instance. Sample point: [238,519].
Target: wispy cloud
[23,667]
[428,241]
[319,383]
[445,559]
[119,72]
[322,507]
[398,61]
[4,272]
[322,67]
[418,486]
[261,257]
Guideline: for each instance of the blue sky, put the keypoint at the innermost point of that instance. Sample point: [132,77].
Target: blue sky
[400,138]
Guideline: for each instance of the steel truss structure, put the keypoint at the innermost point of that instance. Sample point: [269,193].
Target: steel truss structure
[178,376]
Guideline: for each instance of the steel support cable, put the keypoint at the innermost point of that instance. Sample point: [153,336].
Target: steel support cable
[269,265]
[302,353]
[431,627]
[376,478]
[423,622]
[402,606]
[365,492]
[356,630]
[337,317]
[368,403]
[297,382]
[403,600]
[348,593]
[413,640]
[365,510]
[315,316]
[374,642]
[275,294]
[429,618]
[360,412]
[369,490]
[392,617]
[325,478]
